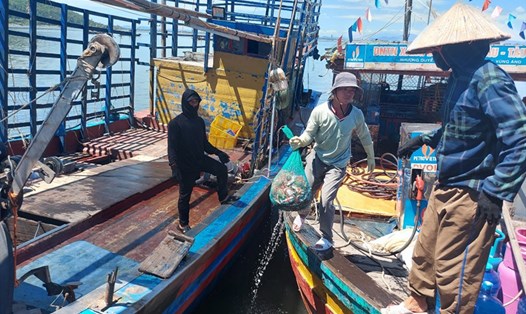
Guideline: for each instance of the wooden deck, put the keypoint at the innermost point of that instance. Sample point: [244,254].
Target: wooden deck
[118,214]
[100,191]
[380,280]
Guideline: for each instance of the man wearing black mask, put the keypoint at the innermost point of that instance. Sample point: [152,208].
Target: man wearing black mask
[481,163]
[187,145]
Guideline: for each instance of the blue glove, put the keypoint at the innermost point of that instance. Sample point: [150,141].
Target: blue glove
[489,208]
[410,146]
[223,157]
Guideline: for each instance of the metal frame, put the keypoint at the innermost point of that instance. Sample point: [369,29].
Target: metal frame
[39,80]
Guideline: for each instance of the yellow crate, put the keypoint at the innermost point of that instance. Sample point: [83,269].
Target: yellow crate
[224,132]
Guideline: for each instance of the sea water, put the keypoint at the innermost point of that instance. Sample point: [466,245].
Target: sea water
[276,290]
[266,257]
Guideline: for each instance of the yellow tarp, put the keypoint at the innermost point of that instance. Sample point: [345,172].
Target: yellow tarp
[359,203]
[233,88]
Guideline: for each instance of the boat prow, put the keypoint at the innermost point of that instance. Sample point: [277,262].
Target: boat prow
[333,282]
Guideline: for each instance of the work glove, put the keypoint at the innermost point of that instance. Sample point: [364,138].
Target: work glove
[371,164]
[489,208]
[223,157]
[176,174]
[298,141]
[410,146]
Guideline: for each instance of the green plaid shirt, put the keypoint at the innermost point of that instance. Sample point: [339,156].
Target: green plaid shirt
[483,143]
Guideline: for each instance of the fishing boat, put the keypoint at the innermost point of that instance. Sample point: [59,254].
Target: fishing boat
[379,213]
[96,231]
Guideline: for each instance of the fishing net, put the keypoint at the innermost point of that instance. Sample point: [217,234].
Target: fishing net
[290,190]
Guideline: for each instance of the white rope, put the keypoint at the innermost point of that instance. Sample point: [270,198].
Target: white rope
[514,299]
[370,255]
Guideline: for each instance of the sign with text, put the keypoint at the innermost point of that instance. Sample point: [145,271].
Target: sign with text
[393,57]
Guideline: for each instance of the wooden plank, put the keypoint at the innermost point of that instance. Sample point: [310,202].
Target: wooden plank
[78,261]
[166,257]
[517,252]
[80,199]
[28,229]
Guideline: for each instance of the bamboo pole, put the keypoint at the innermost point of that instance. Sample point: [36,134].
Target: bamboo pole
[191,18]
[292,19]
[272,64]
[150,7]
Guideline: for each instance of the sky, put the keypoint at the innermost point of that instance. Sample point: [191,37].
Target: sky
[387,21]
[337,16]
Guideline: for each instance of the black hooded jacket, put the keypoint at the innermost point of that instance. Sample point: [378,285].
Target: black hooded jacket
[187,140]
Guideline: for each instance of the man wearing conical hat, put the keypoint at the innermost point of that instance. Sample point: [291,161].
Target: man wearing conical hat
[481,154]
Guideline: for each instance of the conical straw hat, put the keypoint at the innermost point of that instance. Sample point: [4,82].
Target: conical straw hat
[460,24]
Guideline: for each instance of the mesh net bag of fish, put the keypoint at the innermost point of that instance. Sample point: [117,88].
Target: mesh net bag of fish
[290,190]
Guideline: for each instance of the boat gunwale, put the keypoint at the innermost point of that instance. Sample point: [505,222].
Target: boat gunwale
[336,265]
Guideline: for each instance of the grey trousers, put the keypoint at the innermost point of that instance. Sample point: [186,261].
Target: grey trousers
[328,179]
[451,251]
[7,273]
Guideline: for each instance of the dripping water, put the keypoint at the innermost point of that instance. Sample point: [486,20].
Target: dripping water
[267,255]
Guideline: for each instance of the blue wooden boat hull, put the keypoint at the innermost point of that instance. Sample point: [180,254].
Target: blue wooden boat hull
[328,282]
[80,252]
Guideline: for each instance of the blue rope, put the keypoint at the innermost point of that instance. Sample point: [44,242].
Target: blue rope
[471,236]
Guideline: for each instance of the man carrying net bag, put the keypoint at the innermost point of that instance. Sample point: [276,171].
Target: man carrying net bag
[290,189]
[330,127]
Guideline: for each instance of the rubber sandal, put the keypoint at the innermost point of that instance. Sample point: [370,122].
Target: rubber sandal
[322,245]
[297,224]
[183,229]
[398,309]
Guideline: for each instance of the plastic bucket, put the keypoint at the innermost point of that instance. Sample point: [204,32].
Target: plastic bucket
[509,275]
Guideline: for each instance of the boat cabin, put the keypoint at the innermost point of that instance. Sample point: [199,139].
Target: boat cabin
[406,88]
[229,80]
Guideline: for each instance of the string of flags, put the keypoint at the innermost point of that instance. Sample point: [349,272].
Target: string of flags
[497,11]
[511,18]
[485,6]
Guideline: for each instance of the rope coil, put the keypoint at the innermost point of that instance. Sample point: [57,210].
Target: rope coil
[381,184]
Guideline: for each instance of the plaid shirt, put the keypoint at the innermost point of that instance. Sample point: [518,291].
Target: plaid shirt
[483,143]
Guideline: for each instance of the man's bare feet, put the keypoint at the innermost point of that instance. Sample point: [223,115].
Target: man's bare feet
[416,303]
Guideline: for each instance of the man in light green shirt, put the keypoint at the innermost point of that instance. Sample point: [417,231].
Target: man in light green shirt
[330,126]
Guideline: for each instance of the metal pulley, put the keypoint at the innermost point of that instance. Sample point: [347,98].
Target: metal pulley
[109,47]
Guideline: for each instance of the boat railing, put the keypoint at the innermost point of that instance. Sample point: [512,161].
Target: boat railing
[46,55]
[39,46]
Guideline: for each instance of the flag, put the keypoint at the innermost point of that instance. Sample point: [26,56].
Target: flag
[485,5]
[350,33]
[511,18]
[359,23]
[377,3]
[368,15]
[523,28]
[339,44]
[354,26]
[386,1]
[496,12]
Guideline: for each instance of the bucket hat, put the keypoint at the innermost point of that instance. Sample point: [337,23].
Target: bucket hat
[460,24]
[346,79]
